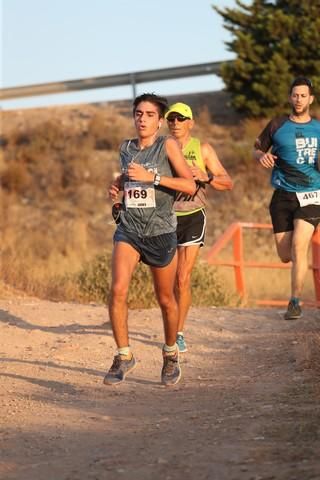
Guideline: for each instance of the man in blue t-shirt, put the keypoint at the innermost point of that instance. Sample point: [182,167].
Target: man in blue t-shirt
[290,145]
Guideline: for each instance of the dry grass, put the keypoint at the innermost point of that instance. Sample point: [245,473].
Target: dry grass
[56,165]
[261,283]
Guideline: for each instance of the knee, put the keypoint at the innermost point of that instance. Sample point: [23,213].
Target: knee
[119,291]
[284,254]
[166,300]
[285,258]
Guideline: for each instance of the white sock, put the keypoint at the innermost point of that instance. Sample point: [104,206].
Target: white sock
[125,351]
[170,349]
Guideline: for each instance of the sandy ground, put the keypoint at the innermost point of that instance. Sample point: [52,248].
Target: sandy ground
[247,406]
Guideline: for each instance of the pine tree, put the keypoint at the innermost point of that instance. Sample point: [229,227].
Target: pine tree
[274,41]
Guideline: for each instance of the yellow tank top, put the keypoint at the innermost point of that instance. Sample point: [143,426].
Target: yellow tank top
[192,153]
[187,204]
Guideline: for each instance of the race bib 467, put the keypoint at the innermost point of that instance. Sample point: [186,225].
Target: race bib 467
[308,198]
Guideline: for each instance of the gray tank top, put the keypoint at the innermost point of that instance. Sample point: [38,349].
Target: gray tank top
[151,220]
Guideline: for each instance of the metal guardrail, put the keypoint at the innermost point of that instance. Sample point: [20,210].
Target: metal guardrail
[112,80]
[234,235]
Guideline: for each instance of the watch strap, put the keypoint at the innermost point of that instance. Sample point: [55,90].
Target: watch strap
[156,180]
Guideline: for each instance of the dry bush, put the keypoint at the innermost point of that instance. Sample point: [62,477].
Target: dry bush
[56,165]
[16,179]
[208,131]
[48,278]
[95,279]
[108,130]
[243,138]
[40,285]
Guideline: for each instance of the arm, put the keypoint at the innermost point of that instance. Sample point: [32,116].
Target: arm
[262,145]
[115,187]
[182,182]
[221,179]
[266,159]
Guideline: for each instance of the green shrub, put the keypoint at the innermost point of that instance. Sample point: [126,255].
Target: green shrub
[95,279]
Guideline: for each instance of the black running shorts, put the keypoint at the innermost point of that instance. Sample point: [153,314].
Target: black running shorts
[191,229]
[285,208]
[157,251]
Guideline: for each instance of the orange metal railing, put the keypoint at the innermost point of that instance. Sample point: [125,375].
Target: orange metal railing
[234,234]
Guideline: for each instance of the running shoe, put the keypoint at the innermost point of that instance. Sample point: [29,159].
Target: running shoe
[293,312]
[119,370]
[181,343]
[171,372]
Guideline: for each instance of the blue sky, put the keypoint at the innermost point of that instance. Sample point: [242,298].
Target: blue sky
[54,40]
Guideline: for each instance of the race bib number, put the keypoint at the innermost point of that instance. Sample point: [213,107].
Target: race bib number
[308,198]
[139,195]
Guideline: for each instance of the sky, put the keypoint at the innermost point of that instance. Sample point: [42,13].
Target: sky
[46,41]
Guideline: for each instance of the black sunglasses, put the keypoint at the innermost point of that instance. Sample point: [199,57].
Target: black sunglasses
[179,118]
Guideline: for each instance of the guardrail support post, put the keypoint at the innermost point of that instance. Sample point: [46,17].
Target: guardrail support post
[133,85]
[238,256]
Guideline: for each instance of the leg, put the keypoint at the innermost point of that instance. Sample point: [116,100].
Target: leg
[282,208]
[283,242]
[164,278]
[124,261]
[302,235]
[186,259]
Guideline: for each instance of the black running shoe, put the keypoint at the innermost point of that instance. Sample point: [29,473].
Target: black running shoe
[171,372]
[293,312]
[119,370]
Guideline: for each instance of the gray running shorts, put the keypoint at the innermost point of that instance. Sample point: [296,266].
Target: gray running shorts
[157,251]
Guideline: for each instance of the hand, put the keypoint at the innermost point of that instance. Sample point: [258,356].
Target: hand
[197,173]
[268,160]
[114,192]
[137,172]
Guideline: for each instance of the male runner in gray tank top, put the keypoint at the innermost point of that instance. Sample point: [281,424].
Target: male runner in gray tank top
[153,169]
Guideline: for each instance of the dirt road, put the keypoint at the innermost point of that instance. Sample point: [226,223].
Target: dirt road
[247,407]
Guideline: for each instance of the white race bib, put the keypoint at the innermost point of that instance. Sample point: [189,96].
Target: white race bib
[308,198]
[139,195]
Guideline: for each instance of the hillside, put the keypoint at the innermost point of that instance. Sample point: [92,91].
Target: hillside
[56,164]
[246,405]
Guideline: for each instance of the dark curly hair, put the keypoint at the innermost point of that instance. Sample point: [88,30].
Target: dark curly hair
[160,102]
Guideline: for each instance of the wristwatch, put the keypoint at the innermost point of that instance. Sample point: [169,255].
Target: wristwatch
[156,180]
[210,178]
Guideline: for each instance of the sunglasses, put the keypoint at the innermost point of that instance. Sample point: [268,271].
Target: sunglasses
[179,118]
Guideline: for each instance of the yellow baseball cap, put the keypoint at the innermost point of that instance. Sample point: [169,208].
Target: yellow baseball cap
[181,108]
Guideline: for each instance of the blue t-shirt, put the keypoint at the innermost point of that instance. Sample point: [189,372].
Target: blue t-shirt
[297,147]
